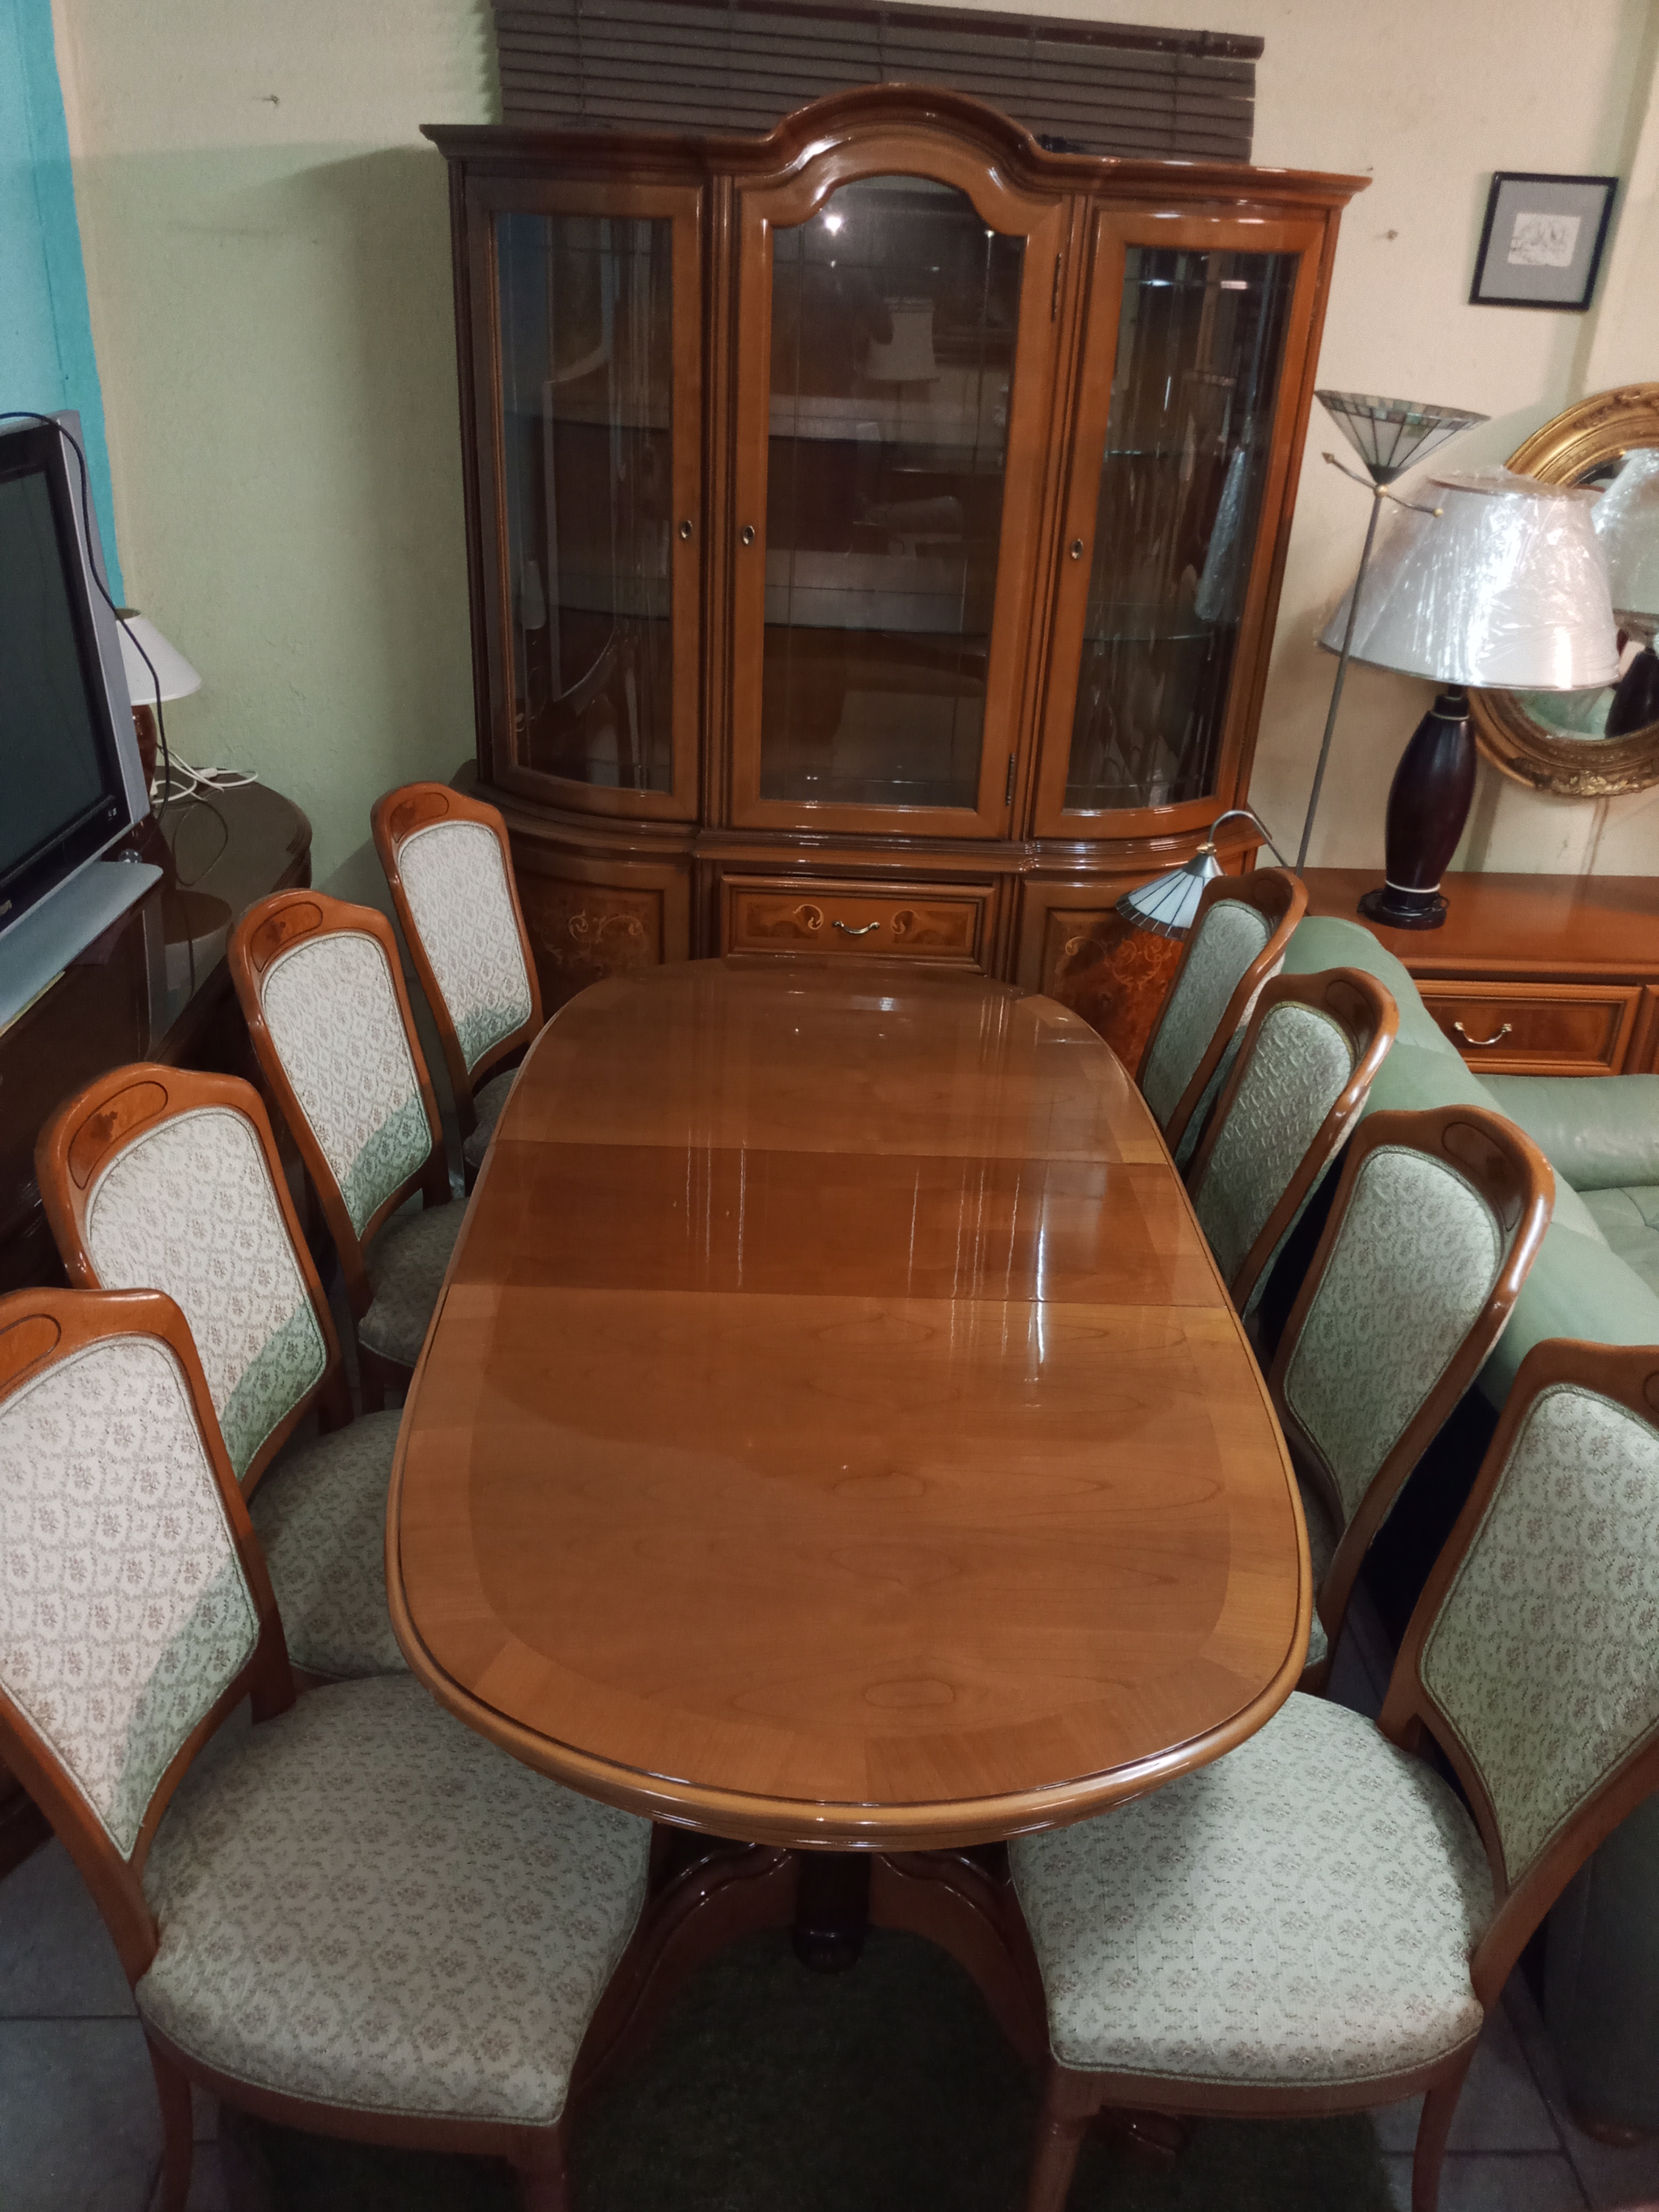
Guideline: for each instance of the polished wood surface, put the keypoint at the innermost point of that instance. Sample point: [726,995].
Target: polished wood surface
[835,1431]
[1570,963]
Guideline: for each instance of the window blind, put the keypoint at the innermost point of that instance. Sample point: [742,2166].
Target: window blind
[741,65]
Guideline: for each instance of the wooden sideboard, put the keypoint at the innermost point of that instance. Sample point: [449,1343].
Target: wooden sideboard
[1530,975]
[154,985]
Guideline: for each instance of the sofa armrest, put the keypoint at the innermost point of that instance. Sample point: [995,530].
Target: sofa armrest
[1598,1133]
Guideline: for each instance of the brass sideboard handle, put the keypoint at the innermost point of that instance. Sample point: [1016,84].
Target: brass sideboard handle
[746,535]
[848,930]
[1468,1039]
[1077,548]
[685,529]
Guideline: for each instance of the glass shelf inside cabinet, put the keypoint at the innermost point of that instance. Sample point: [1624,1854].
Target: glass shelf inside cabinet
[585,305]
[1200,342]
[894,316]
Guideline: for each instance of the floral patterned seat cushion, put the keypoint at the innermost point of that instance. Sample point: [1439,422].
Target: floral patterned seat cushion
[455,881]
[489,1102]
[1300,1913]
[406,1264]
[320,1514]
[368,1906]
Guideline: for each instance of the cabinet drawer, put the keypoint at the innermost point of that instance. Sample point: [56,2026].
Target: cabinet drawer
[1537,1028]
[906,921]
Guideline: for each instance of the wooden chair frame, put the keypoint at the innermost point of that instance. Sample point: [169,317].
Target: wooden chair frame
[37,1328]
[90,1130]
[1282,898]
[267,928]
[1073,2098]
[1370,1019]
[394,819]
[1515,1180]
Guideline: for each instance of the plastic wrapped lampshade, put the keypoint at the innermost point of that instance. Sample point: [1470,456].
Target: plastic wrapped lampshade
[178,678]
[1389,436]
[1626,519]
[1506,586]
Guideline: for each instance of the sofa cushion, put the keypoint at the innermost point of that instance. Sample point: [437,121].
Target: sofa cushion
[1601,1133]
[1629,1220]
[1320,941]
[1578,1288]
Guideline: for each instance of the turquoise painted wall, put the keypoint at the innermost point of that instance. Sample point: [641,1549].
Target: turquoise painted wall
[46,358]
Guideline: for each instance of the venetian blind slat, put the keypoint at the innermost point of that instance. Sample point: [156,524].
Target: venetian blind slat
[722,65]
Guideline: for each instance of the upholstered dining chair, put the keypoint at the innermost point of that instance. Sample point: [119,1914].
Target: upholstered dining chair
[322,989]
[1237,943]
[154,1178]
[1310,1055]
[1316,1922]
[360,1917]
[1436,1220]
[449,869]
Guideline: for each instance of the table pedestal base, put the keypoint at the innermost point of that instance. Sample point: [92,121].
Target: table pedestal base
[832,1909]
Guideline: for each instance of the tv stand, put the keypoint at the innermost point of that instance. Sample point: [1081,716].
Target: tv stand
[37,949]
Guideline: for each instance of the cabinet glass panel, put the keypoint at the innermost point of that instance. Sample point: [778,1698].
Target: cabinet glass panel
[1201,340]
[894,320]
[587,372]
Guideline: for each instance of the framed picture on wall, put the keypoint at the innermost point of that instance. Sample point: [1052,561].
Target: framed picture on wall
[1540,245]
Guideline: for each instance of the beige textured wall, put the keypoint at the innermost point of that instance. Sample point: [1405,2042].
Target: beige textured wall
[266,241]
[267,263]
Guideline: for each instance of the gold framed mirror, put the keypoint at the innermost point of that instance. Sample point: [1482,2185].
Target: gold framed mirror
[1556,742]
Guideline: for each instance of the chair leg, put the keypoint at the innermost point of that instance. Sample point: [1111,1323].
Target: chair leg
[1432,2130]
[544,2176]
[178,2131]
[1068,2104]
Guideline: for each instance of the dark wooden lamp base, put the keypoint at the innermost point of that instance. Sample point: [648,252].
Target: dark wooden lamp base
[1428,804]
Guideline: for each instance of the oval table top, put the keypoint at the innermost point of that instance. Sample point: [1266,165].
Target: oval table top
[834,1430]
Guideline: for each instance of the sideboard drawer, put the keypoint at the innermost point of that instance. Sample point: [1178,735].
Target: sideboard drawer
[907,921]
[1537,1028]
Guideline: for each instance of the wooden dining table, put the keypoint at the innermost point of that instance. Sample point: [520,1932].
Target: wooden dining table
[834,1435]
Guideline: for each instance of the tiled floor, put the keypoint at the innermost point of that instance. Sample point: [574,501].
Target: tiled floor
[79,2131]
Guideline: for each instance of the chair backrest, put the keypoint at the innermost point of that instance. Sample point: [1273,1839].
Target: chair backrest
[158,1178]
[135,1607]
[1436,1220]
[1237,943]
[323,991]
[449,868]
[1312,1048]
[1533,1655]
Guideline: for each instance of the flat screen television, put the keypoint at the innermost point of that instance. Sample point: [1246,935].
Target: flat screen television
[71,783]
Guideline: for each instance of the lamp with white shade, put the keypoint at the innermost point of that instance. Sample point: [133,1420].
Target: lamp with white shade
[155,671]
[1502,582]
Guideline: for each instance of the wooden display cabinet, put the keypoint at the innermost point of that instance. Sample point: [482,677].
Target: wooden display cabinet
[875,529]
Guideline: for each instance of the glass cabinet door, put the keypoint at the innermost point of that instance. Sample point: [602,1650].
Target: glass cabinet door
[1165,571]
[592,369]
[893,388]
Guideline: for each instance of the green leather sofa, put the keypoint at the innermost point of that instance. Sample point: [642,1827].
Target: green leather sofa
[1597,1277]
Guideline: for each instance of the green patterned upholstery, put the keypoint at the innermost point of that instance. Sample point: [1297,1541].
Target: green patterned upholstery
[456,885]
[320,1514]
[123,1613]
[1230,935]
[1416,1257]
[489,1102]
[188,1208]
[366,1905]
[1545,1657]
[1300,1913]
[1300,1066]
[1322,1541]
[332,1011]
[406,1264]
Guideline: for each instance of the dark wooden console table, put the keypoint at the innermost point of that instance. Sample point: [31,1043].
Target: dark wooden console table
[1530,975]
[154,985]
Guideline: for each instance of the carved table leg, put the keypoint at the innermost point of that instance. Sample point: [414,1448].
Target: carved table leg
[832,1909]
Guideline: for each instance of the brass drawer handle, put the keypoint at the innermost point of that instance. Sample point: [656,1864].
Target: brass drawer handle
[848,930]
[1478,1042]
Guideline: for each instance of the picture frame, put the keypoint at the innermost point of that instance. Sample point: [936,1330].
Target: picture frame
[1541,241]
